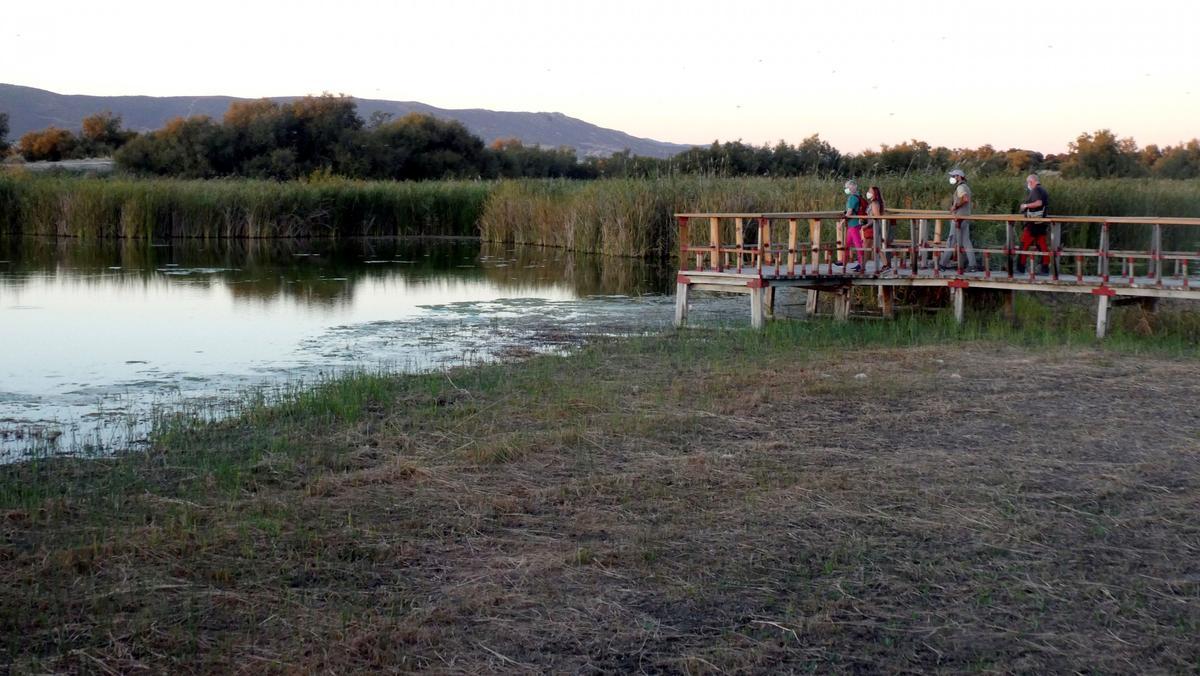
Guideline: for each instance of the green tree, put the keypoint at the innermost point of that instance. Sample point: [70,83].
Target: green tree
[193,147]
[101,135]
[1023,161]
[1102,155]
[1182,161]
[319,129]
[255,131]
[418,147]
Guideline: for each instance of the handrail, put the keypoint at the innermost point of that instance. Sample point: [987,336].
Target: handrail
[905,214]
[818,256]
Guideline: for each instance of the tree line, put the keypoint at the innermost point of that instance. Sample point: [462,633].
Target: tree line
[324,134]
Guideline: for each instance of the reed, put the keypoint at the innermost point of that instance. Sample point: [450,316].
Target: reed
[159,209]
[634,216]
[625,217]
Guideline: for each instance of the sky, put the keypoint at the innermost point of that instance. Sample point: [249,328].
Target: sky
[952,73]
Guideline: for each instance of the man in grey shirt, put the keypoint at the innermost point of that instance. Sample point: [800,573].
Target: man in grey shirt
[961,236]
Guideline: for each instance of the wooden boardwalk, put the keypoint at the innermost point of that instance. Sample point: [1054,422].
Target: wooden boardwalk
[813,256]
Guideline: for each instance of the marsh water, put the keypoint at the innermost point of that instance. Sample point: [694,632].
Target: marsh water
[97,336]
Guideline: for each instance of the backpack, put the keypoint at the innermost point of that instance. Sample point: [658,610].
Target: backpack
[862,206]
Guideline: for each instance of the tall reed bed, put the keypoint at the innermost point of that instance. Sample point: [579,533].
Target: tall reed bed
[627,217]
[635,217]
[141,208]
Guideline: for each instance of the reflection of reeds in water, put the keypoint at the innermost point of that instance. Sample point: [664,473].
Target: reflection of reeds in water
[144,208]
[634,217]
[320,272]
[586,274]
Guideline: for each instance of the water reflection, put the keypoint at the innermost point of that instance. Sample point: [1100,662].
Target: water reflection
[92,333]
[319,272]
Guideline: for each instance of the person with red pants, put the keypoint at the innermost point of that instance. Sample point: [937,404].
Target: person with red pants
[1034,234]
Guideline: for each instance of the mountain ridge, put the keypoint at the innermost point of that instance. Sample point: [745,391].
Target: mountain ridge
[32,109]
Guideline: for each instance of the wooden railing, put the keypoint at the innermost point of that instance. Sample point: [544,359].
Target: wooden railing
[815,246]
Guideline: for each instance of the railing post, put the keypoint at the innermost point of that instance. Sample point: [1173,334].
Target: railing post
[1056,248]
[840,233]
[1103,254]
[958,246]
[814,240]
[714,241]
[683,242]
[918,243]
[739,225]
[1158,255]
[1008,247]
[762,236]
[766,238]
[877,231]
[793,227]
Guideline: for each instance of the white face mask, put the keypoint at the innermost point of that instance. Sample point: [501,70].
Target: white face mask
[953,180]
[870,196]
[846,190]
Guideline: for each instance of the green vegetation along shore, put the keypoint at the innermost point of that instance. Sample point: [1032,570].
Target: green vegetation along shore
[162,208]
[627,217]
[816,497]
[616,216]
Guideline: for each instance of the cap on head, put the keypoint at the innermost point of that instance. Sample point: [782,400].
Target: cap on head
[957,172]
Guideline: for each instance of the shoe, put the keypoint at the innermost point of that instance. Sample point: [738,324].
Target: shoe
[855,268]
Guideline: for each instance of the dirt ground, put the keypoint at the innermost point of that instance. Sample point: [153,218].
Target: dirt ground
[973,507]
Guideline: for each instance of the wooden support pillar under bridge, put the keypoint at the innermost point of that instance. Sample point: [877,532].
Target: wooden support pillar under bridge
[818,262]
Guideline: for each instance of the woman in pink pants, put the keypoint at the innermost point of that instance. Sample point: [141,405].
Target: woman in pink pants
[855,205]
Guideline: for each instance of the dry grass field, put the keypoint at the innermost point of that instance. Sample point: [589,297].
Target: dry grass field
[705,502]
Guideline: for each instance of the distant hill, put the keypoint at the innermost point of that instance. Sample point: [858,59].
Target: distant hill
[30,109]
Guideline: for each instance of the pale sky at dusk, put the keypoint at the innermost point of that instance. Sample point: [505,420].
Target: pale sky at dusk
[951,73]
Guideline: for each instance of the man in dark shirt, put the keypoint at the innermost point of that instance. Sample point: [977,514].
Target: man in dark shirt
[1034,233]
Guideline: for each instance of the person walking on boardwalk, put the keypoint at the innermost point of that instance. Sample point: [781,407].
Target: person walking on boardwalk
[855,206]
[1033,235]
[960,237]
[876,227]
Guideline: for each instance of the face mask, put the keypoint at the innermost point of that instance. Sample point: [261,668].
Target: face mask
[952,180]
[870,196]
[846,190]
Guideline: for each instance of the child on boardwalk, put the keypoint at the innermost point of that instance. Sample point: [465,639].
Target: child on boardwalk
[878,227]
[855,206]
